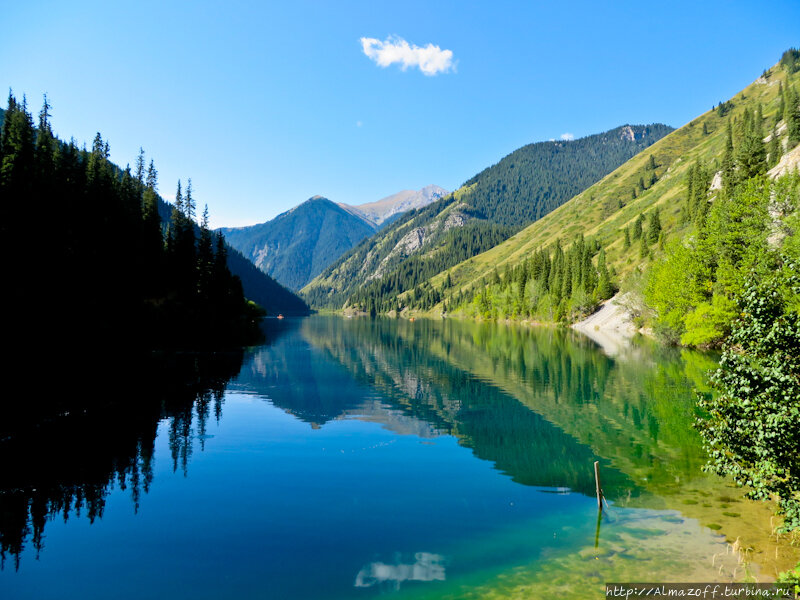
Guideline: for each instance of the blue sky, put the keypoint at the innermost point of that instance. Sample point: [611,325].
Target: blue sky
[265,104]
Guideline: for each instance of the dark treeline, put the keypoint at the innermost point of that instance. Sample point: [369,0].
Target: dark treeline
[552,284]
[67,465]
[86,256]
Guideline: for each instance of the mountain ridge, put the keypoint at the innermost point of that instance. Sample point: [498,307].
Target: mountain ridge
[521,187]
[652,183]
[297,244]
[301,242]
[381,211]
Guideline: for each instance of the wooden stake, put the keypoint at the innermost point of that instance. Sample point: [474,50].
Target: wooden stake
[597,482]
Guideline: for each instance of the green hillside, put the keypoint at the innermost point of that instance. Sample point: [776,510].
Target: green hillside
[297,245]
[521,188]
[652,186]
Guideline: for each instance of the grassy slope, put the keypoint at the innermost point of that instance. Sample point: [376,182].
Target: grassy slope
[543,171]
[591,212]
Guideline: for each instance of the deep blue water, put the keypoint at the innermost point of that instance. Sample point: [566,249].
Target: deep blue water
[358,458]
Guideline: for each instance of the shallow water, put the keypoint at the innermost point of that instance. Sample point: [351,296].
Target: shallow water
[351,458]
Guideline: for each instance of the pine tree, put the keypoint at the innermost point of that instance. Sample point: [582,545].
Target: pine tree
[45,143]
[153,240]
[205,259]
[140,168]
[604,288]
[653,227]
[638,224]
[627,240]
[792,117]
[773,150]
[728,165]
[644,249]
[751,154]
[190,209]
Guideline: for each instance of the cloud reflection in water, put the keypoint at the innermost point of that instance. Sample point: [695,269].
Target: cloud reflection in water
[427,567]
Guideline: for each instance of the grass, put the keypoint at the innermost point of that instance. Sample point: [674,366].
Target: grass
[595,212]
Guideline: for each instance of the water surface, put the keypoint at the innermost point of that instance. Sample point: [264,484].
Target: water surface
[351,458]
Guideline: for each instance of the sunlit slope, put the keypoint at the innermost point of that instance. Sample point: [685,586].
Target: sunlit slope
[500,200]
[606,208]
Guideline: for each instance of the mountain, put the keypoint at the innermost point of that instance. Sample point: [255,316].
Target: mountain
[387,209]
[297,245]
[655,201]
[490,207]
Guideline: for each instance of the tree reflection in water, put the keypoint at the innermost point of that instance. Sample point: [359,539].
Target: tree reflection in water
[71,439]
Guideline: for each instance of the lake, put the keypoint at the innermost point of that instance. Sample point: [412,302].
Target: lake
[354,458]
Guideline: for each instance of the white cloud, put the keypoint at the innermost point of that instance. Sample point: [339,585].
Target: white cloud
[567,137]
[430,59]
[359,123]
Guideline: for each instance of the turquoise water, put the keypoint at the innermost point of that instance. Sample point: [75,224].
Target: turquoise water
[351,458]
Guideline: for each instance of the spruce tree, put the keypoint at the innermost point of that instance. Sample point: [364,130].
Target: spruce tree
[653,227]
[638,224]
[751,154]
[140,168]
[728,165]
[792,118]
[773,150]
[604,288]
[644,249]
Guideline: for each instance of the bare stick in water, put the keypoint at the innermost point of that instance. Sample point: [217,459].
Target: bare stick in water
[597,482]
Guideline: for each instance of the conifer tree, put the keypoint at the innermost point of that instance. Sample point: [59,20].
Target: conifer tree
[191,210]
[45,143]
[205,258]
[644,249]
[751,155]
[140,168]
[638,224]
[604,287]
[773,150]
[653,227]
[728,165]
[792,117]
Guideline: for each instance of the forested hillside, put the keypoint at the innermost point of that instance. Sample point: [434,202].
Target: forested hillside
[258,286]
[489,208]
[686,191]
[102,264]
[297,245]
